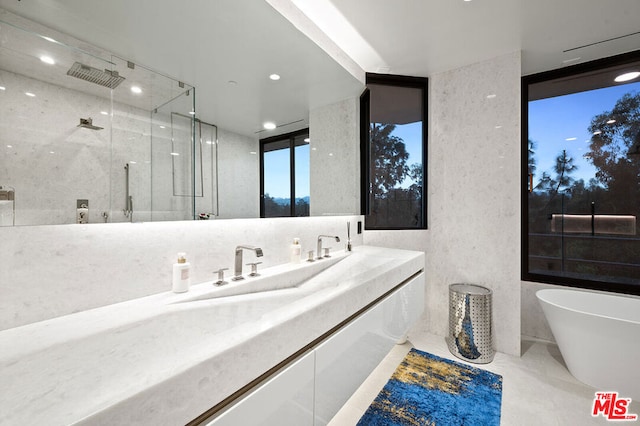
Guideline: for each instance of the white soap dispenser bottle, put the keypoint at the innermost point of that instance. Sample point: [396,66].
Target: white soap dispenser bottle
[181,278]
[296,251]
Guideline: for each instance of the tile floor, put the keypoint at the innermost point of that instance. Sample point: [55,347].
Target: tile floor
[537,388]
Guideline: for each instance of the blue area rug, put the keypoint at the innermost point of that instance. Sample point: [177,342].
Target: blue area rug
[429,390]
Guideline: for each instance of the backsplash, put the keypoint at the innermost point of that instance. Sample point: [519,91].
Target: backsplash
[49,271]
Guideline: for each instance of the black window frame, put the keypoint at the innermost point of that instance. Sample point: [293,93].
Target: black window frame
[365,123]
[292,163]
[598,65]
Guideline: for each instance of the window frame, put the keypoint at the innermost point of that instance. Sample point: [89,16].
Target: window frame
[291,136]
[365,124]
[526,81]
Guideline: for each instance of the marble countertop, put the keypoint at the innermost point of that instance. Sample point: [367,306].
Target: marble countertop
[166,358]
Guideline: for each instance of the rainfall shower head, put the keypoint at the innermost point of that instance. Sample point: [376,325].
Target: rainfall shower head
[87,123]
[106,78]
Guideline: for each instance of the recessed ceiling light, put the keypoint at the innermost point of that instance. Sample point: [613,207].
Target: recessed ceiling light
[175,153]
[9,146]
[331,153]
[104,113]
[611,121]
[253,152]
[3,88]
[232,82]
[570,139]
[314,149]
[627,76]
[498,127]
[47,60]
[269,125]
[135,89]
[307,140]
[51,152]
[133,162]
[31,95]
[209,143]
[491,96]
[162,127]
[274,77]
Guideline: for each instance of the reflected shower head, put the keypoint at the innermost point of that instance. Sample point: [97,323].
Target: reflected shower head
[106,78]
[87,123]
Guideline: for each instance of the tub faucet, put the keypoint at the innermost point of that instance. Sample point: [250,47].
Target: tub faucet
[238,266]
[319,247]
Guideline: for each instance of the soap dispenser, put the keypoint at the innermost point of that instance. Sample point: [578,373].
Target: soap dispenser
[296,251]
[181,278]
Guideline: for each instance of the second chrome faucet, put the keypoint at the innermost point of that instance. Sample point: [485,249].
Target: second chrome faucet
[319,246]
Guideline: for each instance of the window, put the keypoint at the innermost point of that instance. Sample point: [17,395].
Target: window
[284,175]
[393,148]
[581,169]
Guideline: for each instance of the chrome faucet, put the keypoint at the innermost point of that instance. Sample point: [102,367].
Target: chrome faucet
[319,247]
[238,266]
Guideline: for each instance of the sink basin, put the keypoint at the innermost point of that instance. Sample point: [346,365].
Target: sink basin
[274,278]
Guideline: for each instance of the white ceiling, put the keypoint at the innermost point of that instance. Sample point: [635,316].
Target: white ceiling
[422,37]
[207,43]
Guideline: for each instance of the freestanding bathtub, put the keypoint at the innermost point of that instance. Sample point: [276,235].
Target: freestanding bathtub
[598,335]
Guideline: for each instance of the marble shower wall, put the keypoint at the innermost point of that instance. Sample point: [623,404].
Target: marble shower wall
[474,194]
[49,271]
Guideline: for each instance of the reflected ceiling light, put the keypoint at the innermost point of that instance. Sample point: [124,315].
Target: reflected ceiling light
[566,61]
[274,77]
[232,82]
[104,113]
[175,153]
[611,121]
[269,125]
[133,162]
[209,142]
[627,76]
[491,96]
[253,152]
[31,95]
[570,139]
[192,112]
[162,127]
[597,132]
[307,140]
[49,39]
[135,89]
[47,60]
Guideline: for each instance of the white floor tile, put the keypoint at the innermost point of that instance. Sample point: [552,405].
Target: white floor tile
[537,387]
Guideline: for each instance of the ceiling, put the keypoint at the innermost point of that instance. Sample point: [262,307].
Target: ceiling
[419,37]
[210,43]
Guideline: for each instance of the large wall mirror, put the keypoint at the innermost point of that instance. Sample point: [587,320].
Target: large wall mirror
[89,135]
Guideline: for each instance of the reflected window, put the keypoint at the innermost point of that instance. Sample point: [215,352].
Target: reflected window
[284,171]
[581,169]
[393,149]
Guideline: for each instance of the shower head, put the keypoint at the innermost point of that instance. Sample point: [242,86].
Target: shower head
[106,78]
[87,123]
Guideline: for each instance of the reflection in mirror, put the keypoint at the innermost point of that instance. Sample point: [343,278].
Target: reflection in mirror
[89,126]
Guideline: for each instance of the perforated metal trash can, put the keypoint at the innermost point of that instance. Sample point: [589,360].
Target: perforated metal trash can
[470,330]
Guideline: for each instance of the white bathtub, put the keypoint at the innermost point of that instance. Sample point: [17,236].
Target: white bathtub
[599,337]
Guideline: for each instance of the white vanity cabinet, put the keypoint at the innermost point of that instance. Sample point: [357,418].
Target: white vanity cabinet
[285,399]
[312,389]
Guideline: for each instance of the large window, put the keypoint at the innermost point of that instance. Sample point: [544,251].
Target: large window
[581,169]
[284,171]
[393,148]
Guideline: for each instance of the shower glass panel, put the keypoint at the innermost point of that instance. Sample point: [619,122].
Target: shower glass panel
[47,155]
[82,133]
[207,147]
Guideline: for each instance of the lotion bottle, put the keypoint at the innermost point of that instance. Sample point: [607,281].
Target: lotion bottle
[181,278]
[296,251]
